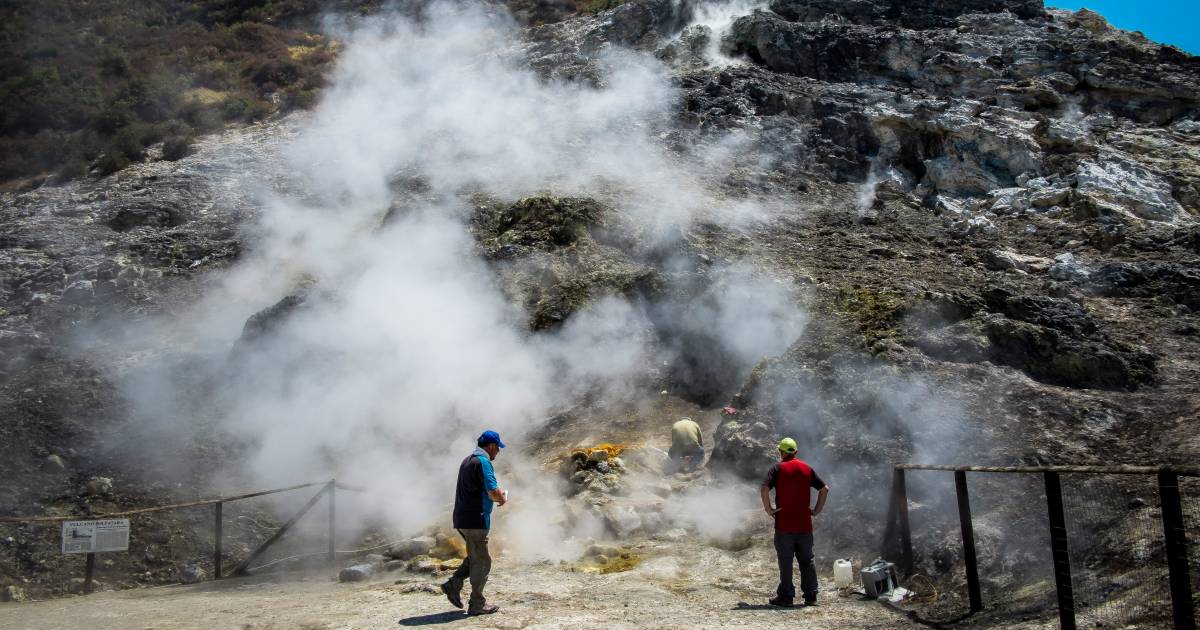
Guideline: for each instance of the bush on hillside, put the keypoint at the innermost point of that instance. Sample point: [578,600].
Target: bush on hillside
[177,147]
[100,81]
[110,163]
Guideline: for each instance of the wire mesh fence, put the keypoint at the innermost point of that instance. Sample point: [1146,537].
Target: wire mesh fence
[1190,490]
[241,528]
[1015,569]
[1118,554]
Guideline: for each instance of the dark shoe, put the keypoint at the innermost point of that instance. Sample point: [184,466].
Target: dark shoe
[486,610]
[810,600]
[452,595]
[775,601]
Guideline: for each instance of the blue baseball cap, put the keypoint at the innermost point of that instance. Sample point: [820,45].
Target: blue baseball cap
[490,437]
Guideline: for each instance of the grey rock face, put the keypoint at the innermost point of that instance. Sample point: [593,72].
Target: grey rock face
[551,257]
[966,97]
[1000,259]
[1175,283]
[270,318]
[909,14]
[1050,355]
[1113,187]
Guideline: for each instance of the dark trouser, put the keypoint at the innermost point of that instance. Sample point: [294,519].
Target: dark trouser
[476,566]
[677,455]
[800,548]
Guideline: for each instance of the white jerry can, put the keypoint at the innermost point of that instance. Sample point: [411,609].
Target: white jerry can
[843,573]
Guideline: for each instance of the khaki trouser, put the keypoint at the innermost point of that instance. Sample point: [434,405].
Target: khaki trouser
[476,566]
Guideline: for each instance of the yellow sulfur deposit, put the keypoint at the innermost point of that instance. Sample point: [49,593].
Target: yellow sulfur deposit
[613,450]
[618,562]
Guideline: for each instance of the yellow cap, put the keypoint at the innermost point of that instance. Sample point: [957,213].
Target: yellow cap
[787,445]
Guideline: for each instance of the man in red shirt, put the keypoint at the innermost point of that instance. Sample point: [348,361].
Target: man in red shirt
[793,480]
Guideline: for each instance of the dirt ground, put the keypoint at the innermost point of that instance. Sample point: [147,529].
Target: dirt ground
[671,588]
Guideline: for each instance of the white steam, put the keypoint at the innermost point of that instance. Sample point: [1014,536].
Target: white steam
[716,512]
[405,348]
[719,17]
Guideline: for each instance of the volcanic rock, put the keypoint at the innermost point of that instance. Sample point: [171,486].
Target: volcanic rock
[409,549]
[11,593]
[99,485]
[1113,187]
[553,258]
[357,573]
[190,574]
[1001,259]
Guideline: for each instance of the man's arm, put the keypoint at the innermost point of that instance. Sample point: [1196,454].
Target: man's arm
[490,484]
[765,493]
[821,496]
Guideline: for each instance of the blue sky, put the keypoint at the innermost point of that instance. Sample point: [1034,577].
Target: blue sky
[1175,22]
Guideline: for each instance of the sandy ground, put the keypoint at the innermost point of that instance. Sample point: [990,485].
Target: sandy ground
[714,589]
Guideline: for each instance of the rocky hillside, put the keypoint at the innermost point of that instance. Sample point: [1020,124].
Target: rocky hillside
[987,211]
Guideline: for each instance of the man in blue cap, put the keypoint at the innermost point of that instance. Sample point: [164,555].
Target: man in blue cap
[474,498]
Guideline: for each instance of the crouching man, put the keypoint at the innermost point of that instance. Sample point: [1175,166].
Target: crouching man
[687,446]
[476,494]
[793,480]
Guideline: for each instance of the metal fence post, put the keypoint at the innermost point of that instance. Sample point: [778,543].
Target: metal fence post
[968,538]
[332,516]
[217,536]
[1177,551]
[1060,551]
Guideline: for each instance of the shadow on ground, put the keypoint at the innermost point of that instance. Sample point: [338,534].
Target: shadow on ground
[745,606]
[434,619]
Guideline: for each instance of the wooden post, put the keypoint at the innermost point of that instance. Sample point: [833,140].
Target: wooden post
[1060,551]
[332,517]
[88,568]
[1177,551]
[245,565]
[900,497]
[217,536]
[968,538]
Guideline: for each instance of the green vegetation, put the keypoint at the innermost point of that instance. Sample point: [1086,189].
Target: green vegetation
[91,84]
[877,312]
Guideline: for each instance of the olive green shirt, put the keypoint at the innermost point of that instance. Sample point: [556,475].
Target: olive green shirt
[685,437]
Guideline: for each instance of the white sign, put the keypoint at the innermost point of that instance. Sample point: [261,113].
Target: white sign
[95,536]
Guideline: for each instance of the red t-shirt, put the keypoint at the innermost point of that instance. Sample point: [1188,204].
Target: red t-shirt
[793,481]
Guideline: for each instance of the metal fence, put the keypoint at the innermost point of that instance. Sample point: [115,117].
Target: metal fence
[328,490]
[1117,557]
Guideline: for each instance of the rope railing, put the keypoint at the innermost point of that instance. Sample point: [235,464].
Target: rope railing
[328,490]
[162,508]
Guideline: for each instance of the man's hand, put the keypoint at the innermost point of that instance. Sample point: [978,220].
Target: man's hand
[500,497]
